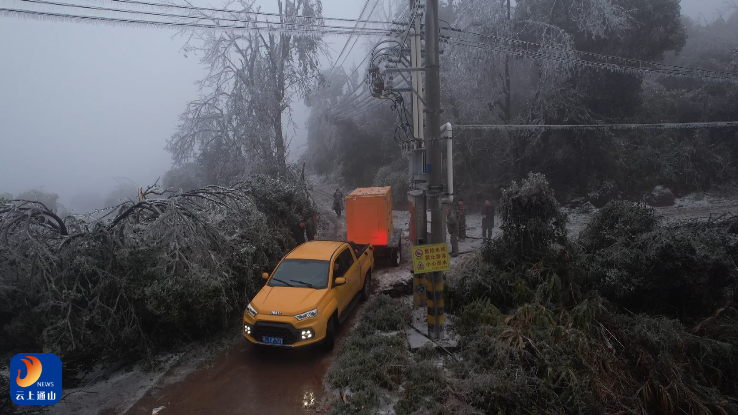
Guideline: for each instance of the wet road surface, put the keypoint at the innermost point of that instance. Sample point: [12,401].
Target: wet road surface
[245,380]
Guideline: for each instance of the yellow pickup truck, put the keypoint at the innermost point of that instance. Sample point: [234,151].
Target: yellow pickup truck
[309,294]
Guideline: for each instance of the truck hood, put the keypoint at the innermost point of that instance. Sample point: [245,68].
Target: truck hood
[288,300]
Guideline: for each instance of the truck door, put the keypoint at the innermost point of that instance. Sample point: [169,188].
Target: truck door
[344,267]
[354,269]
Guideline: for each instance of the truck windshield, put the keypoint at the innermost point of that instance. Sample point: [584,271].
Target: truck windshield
[306,273]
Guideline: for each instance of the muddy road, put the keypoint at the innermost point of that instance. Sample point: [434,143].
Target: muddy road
[242,379]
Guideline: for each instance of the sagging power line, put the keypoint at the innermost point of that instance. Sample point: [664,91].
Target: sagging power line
[246,15]
[75,18]
[335,63]
[635,64]
[574,127]
[197,18]
[297,24]
[569,57]
[510,47]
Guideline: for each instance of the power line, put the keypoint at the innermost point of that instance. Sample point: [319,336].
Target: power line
[152,23]
[350,97]
[563,55]
[355,108]
[347,100]
[360,105]
[372,104]
[659,126]
[138,12]
[596,65]
[349,110]
[363,9]
[627,61]
[347,80]
[159,14]
[344,106]
[354,72]
[356,40]
[194,8]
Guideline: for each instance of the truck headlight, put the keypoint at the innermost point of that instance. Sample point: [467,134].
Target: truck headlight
[247,329]
[308,314]
[251,310]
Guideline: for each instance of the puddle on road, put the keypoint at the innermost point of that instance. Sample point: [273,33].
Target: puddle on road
[275,381]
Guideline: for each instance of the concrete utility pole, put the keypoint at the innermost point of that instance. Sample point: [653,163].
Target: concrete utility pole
[417,151]
[416,59]
[434,163]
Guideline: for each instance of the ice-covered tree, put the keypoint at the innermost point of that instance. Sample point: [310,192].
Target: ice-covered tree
[254,76]
[488,78]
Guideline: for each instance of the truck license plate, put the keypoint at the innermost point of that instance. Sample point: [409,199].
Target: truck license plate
[271,340]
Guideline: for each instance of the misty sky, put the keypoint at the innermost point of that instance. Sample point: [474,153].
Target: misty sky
[82,106]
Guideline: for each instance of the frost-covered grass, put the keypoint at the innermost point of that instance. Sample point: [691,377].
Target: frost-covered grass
[539,337]
[374,362]
[543,328]
[373,357]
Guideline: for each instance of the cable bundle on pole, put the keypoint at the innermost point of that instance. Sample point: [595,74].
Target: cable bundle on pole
[345,106]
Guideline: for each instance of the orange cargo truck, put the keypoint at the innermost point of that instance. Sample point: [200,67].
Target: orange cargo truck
[369,221]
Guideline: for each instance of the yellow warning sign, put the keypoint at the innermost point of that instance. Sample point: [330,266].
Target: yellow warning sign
[430,258]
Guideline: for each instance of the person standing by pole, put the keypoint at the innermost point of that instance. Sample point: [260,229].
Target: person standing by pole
[298,233]
[453,228]
[461,214]
[338,202]
[488,220]
[311,228]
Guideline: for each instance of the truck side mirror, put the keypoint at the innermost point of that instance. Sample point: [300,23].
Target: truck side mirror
[265,275]
[339,281]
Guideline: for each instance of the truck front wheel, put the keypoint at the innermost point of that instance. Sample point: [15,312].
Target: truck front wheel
[330,334]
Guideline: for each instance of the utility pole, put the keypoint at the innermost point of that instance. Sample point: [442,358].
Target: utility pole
[417,154]
[416,59]
[434,162]
[508,110]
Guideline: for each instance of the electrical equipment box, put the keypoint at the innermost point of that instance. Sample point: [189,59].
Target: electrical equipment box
[418,227]
[369,215]
[369,221]
[418,169]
